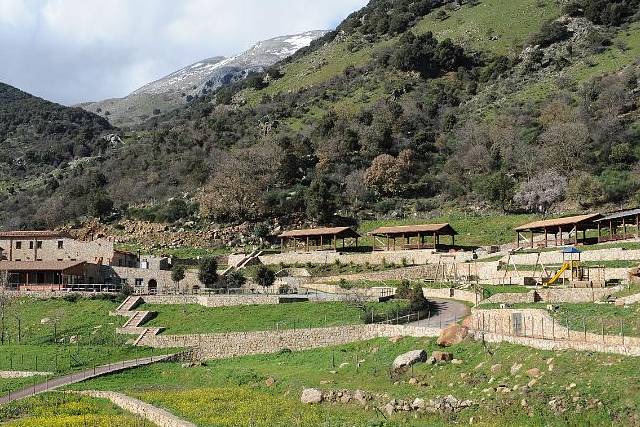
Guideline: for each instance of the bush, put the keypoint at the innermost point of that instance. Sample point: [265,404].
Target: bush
[208,272]
[72,297]
[418,302]
[234,280]
[550,33]
[403,291]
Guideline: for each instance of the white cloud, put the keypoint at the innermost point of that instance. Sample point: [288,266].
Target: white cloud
[78,50]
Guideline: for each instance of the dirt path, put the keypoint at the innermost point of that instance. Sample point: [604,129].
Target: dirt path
[77,377]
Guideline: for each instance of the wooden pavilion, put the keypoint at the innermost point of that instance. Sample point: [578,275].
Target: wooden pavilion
[420,233]
[617,224]
[556,227]
[318,239]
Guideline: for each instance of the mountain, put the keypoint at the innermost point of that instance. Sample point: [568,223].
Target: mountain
[408,108]
[204,76]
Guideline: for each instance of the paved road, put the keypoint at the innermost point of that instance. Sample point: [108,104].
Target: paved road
[77,377]
[448,312]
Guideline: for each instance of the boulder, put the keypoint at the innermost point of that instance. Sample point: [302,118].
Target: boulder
[311,396]
[405,360]
[360,397]
[452,335]
[534,373]
[441,356]
[419,404]
[496,368]
[269,381]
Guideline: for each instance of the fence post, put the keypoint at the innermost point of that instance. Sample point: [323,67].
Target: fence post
[584,327]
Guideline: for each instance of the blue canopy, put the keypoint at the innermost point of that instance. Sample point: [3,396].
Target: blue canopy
[571,250]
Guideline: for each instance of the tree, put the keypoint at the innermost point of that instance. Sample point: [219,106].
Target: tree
[177,275]
[101,205]
[208,272]
[417,300]
[320,200]
[265,277]
[403,291]
[585,190]
[234,280]
[542,191]
[499,188]
[387,173]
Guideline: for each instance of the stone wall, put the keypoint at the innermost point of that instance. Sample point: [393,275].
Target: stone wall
[422,256]
[158,416]
[213,300]
[224,345]
[555,257]
[162,278]
[538,324]
[555,296]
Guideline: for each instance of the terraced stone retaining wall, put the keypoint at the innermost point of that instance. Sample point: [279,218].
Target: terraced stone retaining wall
[224,345]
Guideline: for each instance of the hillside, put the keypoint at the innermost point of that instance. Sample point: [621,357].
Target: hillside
[408,108]
[37,138]
[198,79]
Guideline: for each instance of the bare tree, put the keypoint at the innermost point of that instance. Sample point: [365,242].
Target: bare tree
[542,191]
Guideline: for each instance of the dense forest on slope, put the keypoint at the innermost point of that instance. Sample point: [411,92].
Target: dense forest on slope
[409,106]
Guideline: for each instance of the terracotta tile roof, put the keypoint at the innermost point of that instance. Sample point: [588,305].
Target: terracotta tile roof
[326,231]
[414,229]
[38,265]
[47,234]
[559,222]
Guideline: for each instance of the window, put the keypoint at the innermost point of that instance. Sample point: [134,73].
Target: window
[60,244]
[139,283]
[18,245]
[30,245]
[18,259]
[39,244]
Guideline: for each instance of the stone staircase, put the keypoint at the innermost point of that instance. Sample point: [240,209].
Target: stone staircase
[245,262]
[136,318]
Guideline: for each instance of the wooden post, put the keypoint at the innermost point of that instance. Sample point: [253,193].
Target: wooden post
[611,229]
[599,232]
[560,232]
[637,225]
[518,239]
[321,242]
[453,240]
[335,242]
[419,240]
[624,228]
[546,237]
[307,243]
[281,244]
[531,239]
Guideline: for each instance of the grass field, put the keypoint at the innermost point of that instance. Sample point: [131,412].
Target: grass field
[497,26]
[474,229]
[40,321]
[67,410]
[190,319]
[227,392]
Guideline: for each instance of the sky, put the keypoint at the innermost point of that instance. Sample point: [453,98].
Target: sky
[72,51]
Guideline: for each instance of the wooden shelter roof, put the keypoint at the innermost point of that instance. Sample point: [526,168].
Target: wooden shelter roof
[619,215]
[317,232]
[559,222]
[443,229]
[39,265]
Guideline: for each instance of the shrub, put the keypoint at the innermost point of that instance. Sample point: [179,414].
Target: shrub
[265,277]
[72,297]
[208,272]
[418,301]
[403,291]
[234,280]
[550,33]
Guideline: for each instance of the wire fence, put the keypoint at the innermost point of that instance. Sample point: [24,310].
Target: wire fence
[612,330]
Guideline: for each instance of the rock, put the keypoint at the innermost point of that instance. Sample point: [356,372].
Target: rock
[345,398]
[395,339]
[515,368]
[413,381]
[449,404]
[269,381]
[496,368]
[44,320]
[389,408]
[408,359]
[441,356]
[523,403]
[534,373]
[532,383]
[456,362]
[360,397]
[452,335]
[311,396]
[419,404]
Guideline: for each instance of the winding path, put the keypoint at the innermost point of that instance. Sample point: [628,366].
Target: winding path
[77,377]
[448,312]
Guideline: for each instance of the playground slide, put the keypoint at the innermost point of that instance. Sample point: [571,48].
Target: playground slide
[555,278]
